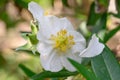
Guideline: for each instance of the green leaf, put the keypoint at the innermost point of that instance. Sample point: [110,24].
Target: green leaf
[93,16]
[111,33]
[100,24]
[33,39]
[27,71]
[83,70]
[21,3]
[65,3]
[34,27]
[52,2]
[117,4]
[48,74]
[27,46]
[105,66]
[102,4]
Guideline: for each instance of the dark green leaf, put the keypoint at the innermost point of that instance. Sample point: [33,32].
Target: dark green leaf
[105,66]
[117,4]
[65,3]
[111,33]
[48,74]
[102,5]
[83,70]
[21,3]
[27,71]
[93,16]
[100,24]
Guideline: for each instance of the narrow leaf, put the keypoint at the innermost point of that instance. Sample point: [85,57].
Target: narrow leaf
[48,74]
[27,71]
[100,24]
[93,16]
[117,4]
[111,33]
[83,70]
[105,66]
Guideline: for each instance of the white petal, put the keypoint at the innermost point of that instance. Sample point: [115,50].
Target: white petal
[94,48]
[80,42]
[40,36]
[67,64]
[51,62]
[52,24]
[44,49]
[49,25]
[66,24]
[78,47]
[36,10]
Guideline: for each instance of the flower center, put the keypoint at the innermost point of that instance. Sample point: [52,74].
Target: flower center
[62,40]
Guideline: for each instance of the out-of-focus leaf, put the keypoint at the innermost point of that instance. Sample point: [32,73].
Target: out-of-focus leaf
[52,2]
[93,16]
[65,2]
[48,74]
[2,5]
[27,71]
[103,2]
[6,18]
[84,30]
[111,33]
[101,6]
[105,66]
[117,4]
[2,61]
[101,34]
[83,70]
[100,24]
[21,3]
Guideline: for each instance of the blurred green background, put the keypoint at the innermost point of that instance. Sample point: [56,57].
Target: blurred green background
[15,19]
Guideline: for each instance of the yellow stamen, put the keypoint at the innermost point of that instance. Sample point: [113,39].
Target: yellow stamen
[46,13]
[62,40]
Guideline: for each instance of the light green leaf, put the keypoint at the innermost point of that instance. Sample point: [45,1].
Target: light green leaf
[105,66]
[83,70]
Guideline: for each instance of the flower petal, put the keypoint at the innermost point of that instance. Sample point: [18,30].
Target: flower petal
[36,10]
[66,24]
[49,25]
[51,62]
[44,49]
[54,25]
[67,64]
[80,42]
[94,48]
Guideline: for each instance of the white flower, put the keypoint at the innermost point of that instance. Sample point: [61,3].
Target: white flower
[58,41]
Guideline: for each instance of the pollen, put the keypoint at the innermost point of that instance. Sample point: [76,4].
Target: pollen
[62,40]
[46,13]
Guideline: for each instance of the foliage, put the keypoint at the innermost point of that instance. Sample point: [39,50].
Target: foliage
[102,67]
